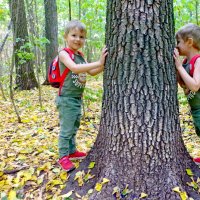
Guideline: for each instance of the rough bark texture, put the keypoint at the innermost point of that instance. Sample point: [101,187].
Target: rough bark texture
[139,143]
[51,31]
[25,77]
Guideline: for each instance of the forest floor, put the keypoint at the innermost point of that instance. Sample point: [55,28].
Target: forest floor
[29,154]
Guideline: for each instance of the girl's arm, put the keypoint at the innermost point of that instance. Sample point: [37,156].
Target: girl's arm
[192,83]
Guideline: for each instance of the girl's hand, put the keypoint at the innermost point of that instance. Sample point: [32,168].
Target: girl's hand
[177,60]
[104,53]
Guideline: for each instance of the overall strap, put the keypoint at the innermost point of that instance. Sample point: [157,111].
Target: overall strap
[192,62]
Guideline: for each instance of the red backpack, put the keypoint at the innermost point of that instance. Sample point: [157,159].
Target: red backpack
[192,62]
[56,79]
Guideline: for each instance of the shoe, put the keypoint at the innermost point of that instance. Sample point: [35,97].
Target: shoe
[77,155]
[197,160]
[66,164]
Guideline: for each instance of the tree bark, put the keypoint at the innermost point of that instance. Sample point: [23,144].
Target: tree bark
[25,77]
[139,144]
[51,32]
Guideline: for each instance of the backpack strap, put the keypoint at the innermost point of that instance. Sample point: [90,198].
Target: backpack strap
[192,62]
[66,71]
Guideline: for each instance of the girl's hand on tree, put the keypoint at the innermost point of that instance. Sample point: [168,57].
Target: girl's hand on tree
[104,53]
[177,60]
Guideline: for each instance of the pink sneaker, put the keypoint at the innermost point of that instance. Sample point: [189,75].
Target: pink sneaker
[77,155]
[66,164]
[197,160]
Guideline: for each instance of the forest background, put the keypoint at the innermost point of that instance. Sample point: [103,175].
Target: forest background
[28,168]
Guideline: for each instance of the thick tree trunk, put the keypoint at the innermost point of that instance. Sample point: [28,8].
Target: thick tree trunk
[139,142]
[51,32]
[25,77]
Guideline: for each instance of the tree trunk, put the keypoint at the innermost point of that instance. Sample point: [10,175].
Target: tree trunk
[196,11]
[25,77]
[79,9]
[139,145]
[34,34]
[5,38]
[70,10]
[51,32]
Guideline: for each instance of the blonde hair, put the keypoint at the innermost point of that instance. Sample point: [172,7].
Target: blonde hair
[190,31]
[75,24]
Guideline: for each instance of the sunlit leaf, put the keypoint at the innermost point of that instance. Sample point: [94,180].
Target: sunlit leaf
[183,196]
[63,175]
[98,187]
[176,189]
[90,191]
[105,180]
[143,195]
[189,172]
[68,194]
[79,177]
[12,195]
[91,165]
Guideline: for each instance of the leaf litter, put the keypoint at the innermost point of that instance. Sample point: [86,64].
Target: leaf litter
[29,153]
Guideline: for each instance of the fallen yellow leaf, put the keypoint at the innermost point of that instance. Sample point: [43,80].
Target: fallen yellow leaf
[143,195]
[105,180]
[176,189]
[98,187]
[12,195]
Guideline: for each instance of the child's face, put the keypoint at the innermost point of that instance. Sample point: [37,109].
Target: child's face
[182,46]
[75,39]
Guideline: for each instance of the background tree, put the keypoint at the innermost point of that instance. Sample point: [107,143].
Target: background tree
[25,77]
[139,148]
[188,10]
[51,31]
[70,10]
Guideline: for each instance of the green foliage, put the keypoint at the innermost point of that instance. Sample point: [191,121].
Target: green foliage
[185,12]
[182,99]
[4,11]
[40,42]
[26,51]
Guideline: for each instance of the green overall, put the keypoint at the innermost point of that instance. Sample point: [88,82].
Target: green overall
[69,107]
[194,102]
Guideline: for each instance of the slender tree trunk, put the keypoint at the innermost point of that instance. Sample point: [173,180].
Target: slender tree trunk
[39,51]
[25,77]
[70,10]
[34,34]
[79,9]
[51,32]
[139,145]
[1,88]
[12,66]
[1,49]
[196,11]
[5,38]
[11,90]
